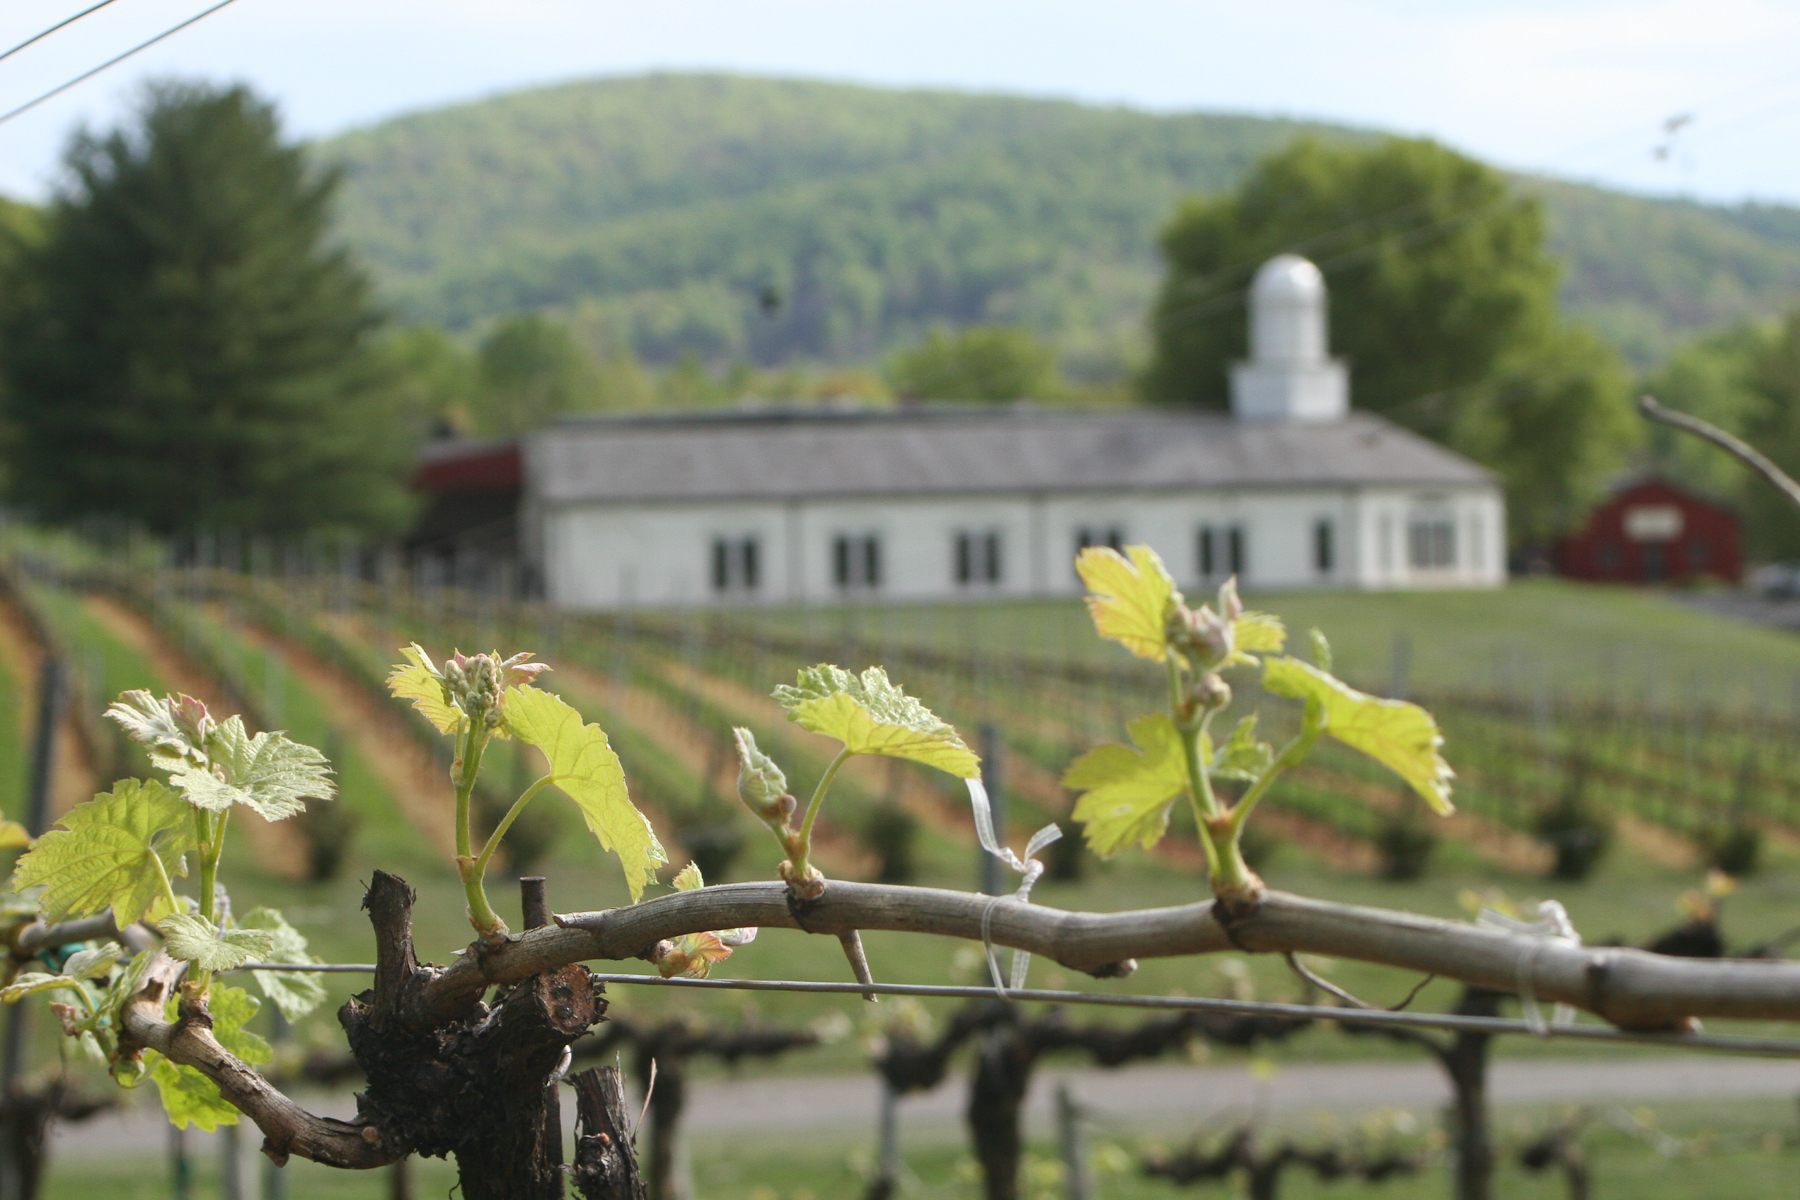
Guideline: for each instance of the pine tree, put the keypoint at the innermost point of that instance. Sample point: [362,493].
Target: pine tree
[195,353]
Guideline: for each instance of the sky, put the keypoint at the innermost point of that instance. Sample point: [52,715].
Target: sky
[1584,89]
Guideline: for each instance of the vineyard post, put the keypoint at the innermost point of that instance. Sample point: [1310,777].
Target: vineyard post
[18,1178]
[1079,1185]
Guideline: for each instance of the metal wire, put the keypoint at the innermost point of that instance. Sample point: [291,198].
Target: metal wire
[1449,1022]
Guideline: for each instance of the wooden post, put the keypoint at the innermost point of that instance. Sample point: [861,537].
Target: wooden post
[1079,1182]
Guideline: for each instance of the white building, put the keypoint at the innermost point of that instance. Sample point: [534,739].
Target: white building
[1290,489]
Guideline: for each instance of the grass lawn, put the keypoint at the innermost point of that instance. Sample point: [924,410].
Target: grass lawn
[1732,1149]
[1571,639]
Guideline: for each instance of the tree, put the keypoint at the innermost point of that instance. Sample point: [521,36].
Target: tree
[188,320]
[1443,299]
[1774,427]
[532,372]
[984,362]
[437,382]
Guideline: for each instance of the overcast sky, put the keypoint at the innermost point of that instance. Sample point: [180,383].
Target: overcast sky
[1579,88]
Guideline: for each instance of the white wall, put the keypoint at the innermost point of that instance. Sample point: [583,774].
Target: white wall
[661,554]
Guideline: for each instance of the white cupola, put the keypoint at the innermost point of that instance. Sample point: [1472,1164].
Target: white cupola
[1290,375]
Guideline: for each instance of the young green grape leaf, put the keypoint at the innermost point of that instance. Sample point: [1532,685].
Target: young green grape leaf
[693,955]
[416,680]
[1256,633]
[1127,793]
[1402,737]
[173,729]
[189,1097]
[584,767]
[192,938]
[870,714]
[266,772]
[89,963]
[1321,649]
[113,852]
[1243,757]
[13,836]
[295,993]
[1131,597]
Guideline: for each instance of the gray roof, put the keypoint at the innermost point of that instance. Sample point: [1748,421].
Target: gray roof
[780,454]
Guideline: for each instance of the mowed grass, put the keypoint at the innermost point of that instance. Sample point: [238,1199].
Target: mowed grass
[1737,1148]
[1560,638]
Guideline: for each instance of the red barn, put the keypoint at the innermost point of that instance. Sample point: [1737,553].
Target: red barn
[1651,530]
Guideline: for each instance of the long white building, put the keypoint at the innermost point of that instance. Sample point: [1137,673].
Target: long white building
[1289,489]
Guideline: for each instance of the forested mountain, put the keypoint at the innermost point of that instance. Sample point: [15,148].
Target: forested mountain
[772,220]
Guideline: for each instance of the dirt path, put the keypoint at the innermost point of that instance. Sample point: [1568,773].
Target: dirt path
[378,731]
[277,846]
[76,779]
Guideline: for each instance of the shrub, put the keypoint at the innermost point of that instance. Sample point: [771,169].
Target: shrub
[1575,829]
[1405,843]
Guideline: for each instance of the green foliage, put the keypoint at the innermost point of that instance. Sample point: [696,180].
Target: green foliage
[265,772]
[295,993]
[436,382]
[777,221]
[1399,735]
[190,1098]
[116,851]
[193,938]
[869,714]
[1575,828]
[997,363]
[532,372]
[584,768]
[1443,299]
[193,351]
[1126,793]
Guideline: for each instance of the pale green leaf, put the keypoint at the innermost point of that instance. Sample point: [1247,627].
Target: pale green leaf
[28,983]
[266,772]
[1242,757]
[585,768]
[1402,737]
[693,955]
[415,681]
[93,961]
[192,938]
[172,729]
[1259,632]
[1321,649]
[688,879]
[1127,793]
[189,1097]
[295,993]
[13,836]
[1130,598]
[105,854]
[869,714]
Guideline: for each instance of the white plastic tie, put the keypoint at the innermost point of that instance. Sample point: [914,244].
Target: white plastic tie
[1029,869]
[1551,928]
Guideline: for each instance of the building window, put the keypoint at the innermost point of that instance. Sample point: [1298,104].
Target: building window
[1099,535]
[1237,556]
[736,565]
[1322,548]
[978,558]
[1386,540]
[856,561]
[1216,543]
[1207,552]
[1431,543]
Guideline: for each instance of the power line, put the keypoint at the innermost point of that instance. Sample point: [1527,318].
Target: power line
[64,23]
[1451,1022]
[114,61]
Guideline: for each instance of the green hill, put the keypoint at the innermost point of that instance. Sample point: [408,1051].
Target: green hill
[662,210]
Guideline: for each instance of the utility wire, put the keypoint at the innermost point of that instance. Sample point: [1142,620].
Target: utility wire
[114,61]
[1452,1022]
[64,23]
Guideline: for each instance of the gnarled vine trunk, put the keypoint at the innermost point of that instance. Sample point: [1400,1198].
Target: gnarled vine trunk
[476,1083]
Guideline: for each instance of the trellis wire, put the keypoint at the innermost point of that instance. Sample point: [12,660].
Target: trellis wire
[1448,1022]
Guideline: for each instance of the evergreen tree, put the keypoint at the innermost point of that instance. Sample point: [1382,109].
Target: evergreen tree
[193,353]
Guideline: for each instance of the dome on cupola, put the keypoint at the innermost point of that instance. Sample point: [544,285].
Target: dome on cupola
[1290,375]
